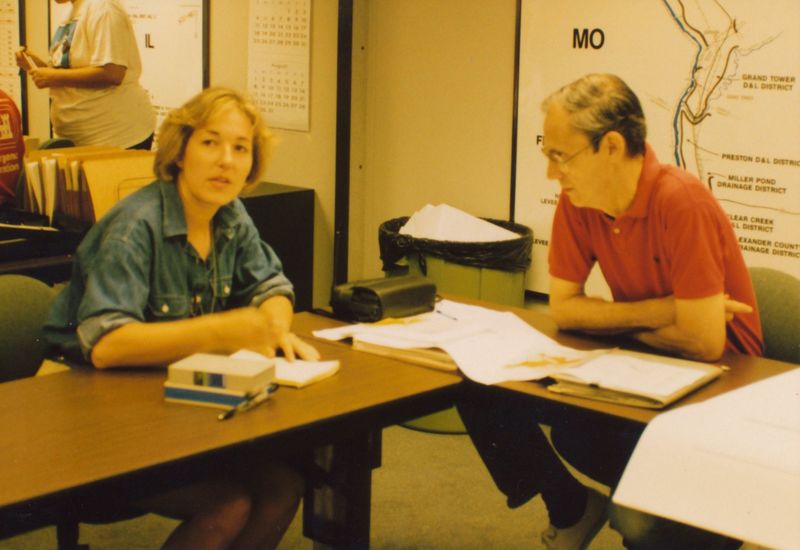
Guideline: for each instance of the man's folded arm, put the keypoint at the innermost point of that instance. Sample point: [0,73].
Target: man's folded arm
[572,309]
[698,331]
[692,328]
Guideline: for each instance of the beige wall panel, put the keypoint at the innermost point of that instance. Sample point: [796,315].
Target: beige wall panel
[439,110]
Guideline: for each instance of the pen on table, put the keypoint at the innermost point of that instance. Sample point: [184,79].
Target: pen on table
[249,402]
[440,312]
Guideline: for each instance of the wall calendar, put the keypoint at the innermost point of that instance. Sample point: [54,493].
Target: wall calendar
[278,70]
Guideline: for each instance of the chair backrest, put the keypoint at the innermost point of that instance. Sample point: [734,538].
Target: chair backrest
[778,296]
[24,303]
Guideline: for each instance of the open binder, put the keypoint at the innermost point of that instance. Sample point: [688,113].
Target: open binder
[636,379]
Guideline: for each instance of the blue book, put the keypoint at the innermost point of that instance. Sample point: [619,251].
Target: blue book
[204,395]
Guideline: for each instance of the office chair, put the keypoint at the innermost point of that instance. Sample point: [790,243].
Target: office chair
[778,297]
[25,303]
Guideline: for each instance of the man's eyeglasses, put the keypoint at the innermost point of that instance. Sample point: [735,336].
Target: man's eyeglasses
[560,159]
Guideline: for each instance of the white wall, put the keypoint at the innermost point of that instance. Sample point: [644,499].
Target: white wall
[439,103]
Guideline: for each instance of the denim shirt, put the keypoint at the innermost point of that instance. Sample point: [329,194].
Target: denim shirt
[136,265]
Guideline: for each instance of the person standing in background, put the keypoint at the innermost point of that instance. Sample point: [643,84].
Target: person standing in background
[93,77]
[12,148]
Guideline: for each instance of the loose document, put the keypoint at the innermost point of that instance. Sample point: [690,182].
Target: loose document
[729,465]
[488,346]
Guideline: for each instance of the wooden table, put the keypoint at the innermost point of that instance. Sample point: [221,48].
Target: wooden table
[98,434]
[87,434]
[743,369]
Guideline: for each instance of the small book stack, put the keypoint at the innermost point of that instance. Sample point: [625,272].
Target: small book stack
[217,380]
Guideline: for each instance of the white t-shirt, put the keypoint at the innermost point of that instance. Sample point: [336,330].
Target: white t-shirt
[98,32]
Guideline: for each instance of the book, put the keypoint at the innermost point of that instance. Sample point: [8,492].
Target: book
[56,189]
[83,183]
[207,396]
[435,358]
[49,189]
[240,374]
[297,373]
[34,187]
[636,379]
[487,346]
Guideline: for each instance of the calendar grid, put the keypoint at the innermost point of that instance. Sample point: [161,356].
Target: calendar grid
[278,75]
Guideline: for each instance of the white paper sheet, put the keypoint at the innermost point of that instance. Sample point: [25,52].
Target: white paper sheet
[445,223]
[730,464]
[488,346]
[298,373]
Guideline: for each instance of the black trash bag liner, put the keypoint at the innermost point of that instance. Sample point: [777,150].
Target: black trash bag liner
[511,255]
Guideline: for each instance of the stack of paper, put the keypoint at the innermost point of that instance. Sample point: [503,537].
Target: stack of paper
[730,464]
[445,223]
[216,380]
[297,373]
[488,346]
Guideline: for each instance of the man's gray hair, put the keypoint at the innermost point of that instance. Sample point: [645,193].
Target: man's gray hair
[601,103]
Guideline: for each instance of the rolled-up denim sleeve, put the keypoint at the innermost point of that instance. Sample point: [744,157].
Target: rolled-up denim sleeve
[258,273]
[90,330]
[278,285]
[116,290]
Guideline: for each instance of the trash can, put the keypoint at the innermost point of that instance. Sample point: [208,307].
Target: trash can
[491,271]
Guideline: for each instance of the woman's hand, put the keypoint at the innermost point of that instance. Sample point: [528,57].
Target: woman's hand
[267,330]
[293,347]
[26,60]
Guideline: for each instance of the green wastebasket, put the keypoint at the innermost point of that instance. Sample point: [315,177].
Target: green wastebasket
[493,271]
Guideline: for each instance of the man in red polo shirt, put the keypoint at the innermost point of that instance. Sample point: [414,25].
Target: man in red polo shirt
[12,149]
[679,284]
[664,245]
